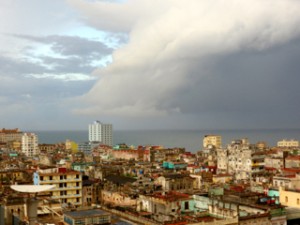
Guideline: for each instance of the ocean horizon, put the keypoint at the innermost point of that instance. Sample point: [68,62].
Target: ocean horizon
[191,140]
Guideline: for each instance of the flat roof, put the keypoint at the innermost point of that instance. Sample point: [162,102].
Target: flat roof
[86,213]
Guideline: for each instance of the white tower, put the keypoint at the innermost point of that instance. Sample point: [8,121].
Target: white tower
[30,144]
[100,132]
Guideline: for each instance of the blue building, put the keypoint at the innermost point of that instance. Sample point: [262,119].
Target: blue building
[174,165]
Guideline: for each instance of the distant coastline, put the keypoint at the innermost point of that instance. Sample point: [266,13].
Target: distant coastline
[189,139]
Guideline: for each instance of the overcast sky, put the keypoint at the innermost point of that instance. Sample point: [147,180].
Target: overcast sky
[150,64]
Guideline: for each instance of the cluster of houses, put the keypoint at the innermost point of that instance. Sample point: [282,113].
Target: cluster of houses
[241,183]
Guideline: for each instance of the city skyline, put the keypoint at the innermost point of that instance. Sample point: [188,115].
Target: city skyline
[141,64]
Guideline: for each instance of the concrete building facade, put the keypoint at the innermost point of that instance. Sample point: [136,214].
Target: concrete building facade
[212,140]
[30,144]
[288,143]
[99,132]
[10,135]
[68,184]
[241,159]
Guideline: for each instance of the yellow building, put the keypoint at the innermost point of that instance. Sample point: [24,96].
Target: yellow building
[71,145]
[10,135]
[15,145]
[68,184]
[289,197]
[222,178]
[288,143]
[212,140]
[12,176]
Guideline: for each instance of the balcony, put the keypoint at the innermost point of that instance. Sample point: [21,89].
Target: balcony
[59,181]
[66,196]
[66,188]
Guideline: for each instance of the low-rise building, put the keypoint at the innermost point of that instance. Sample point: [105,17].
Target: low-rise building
[176,182]
[289,197]
[222,178]
[174,165]
[286,181]
[86,217]
[47,148]
[117,198]
[164,206]
[212,140]
[158,154]
[292,161]
[10,206]
[288,143]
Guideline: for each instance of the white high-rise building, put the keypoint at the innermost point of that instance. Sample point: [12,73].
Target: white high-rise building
[99,132]
[30,144]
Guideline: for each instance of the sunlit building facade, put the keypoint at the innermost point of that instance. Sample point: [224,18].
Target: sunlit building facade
[30,144]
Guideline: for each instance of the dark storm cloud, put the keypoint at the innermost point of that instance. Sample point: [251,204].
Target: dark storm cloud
[233,62]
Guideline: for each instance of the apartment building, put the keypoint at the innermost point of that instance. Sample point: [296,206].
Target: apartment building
[212,140]
[241,159]
[7,135]
[100,132]
[68,184]
[30,144]
[274,160]
[288,143]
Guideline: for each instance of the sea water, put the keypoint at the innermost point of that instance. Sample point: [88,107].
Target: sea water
[189,139]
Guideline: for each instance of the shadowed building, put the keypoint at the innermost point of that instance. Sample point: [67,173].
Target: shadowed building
[100,132]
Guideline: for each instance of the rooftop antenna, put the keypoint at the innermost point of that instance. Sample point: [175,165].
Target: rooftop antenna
[31,201]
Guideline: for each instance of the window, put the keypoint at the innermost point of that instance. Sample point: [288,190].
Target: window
[50,178]
[286,199]
[186,205]
[298,201]
[41,177]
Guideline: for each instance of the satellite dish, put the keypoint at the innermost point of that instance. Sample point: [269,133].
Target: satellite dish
[31,188]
